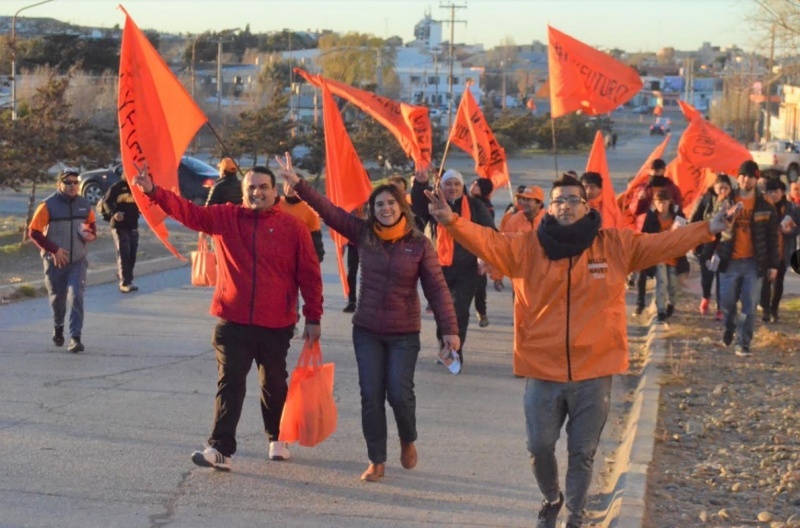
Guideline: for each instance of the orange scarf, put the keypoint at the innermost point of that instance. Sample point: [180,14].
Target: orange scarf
[445,245]
[392,233]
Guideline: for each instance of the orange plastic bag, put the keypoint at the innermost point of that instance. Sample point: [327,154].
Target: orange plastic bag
[309,416]
[204,264]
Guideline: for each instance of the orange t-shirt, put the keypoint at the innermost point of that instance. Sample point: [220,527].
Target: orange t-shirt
[743,236]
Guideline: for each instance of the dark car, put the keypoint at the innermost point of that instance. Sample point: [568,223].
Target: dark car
[660,127]
[195,178]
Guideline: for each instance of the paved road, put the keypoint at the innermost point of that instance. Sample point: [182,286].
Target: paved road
[103,439]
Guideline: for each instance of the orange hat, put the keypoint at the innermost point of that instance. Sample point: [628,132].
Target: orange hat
[227,165]
[533,192]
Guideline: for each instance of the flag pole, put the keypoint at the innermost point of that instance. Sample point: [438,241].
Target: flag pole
[226,153]
[555,147]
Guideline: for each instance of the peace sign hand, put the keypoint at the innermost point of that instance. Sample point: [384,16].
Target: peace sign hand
[287,171]
[439,208]
[143,180]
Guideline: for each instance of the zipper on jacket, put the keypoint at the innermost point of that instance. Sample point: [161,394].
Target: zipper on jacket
[255,264]
[71,232]
[569,287]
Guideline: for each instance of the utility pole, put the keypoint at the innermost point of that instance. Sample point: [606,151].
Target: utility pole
[452,7]
[220,41]
[767,90]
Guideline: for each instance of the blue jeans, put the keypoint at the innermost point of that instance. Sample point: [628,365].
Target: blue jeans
[740,281]
[666,287]
[547,405]
[386,365]
[61,282]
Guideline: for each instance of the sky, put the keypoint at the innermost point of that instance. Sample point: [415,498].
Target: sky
[632,25]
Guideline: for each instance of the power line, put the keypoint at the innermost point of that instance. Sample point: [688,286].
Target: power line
[452,7]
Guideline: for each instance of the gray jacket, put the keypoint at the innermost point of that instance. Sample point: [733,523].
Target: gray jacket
[66,217]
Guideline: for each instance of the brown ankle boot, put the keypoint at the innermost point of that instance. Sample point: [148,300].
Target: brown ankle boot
[373,473]
[408,454]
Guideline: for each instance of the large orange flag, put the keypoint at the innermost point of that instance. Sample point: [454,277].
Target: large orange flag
[582,78]
[703,146]
[597,162]
[626,198]
[410,124]
[471,133]
[157,120]
[346,182]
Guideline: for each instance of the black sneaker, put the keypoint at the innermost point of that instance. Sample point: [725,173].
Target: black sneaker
[670,310]
[548,515]
[638,310]
[483,321]
[662,317]
[75,345]
[765,317]
[727,337]
[58,336]
[350,308]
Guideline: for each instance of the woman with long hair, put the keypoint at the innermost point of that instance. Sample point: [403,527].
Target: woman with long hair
[395,256]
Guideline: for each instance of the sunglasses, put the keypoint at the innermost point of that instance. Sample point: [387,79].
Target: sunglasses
[70,182]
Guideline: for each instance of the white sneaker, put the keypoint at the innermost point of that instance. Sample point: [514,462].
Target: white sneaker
[279,451]
[212,458]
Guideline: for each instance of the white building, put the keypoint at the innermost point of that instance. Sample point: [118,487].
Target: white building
[424,78]
[428,34]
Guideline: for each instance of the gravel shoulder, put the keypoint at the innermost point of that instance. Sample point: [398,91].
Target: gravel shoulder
[727,449]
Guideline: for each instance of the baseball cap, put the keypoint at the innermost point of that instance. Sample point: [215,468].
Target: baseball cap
[533,192]
[227,165]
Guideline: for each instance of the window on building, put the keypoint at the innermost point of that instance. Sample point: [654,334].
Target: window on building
[415,79]
[433,80]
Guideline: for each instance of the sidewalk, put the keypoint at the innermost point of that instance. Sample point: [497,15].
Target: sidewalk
[103,438]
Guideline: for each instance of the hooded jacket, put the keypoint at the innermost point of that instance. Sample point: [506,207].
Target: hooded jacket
[262,259]
[569,313]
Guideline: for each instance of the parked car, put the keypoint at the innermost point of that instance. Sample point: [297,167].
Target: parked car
[195,178]
[778,157]
[660,126]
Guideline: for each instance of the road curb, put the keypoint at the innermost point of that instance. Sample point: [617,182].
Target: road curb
[638,441]
[101,275]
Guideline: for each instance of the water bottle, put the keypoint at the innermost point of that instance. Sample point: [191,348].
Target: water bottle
[455,365]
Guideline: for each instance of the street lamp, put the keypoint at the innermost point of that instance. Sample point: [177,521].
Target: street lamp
[14,57]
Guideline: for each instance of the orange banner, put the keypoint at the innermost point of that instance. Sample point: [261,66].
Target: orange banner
[582,78]
[410,124]
[627,197]
[346,182]
[597,162]
[471,133]
[157,120]
[703,146]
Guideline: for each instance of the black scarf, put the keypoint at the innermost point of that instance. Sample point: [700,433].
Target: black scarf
[561,242]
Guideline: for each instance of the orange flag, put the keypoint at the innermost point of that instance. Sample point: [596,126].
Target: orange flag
[157,120]
[471,133]
[703,146]
[597,162]
[582,78]
[346,182]
[692,180]
[627,197]
[410,124]
[689,112]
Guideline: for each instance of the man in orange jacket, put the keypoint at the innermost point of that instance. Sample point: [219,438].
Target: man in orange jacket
[570,330]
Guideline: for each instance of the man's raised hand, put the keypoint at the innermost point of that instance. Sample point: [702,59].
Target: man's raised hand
[287,171]
[142,179]
[439,208]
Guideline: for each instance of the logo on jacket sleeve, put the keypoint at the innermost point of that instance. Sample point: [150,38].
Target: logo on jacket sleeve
[598,268]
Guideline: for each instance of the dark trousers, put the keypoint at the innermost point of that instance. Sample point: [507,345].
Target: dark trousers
[386,365]
[237,345]
[641,288]
[480,295]
[707,277]
[772,291]
[462,289]
[352,271]
[127,243]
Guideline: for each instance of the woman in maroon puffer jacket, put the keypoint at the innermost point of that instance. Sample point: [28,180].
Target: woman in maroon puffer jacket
[394,256]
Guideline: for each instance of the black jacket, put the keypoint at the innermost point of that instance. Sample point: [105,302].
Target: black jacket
[764,231]
[227,189]
[705,209]
[653,225]
[119,199]
[419,205]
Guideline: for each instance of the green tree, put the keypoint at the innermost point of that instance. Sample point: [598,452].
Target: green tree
[376,145]
[353,59]
[262,132]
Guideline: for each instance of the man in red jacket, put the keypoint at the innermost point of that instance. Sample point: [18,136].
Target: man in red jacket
[263,256]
